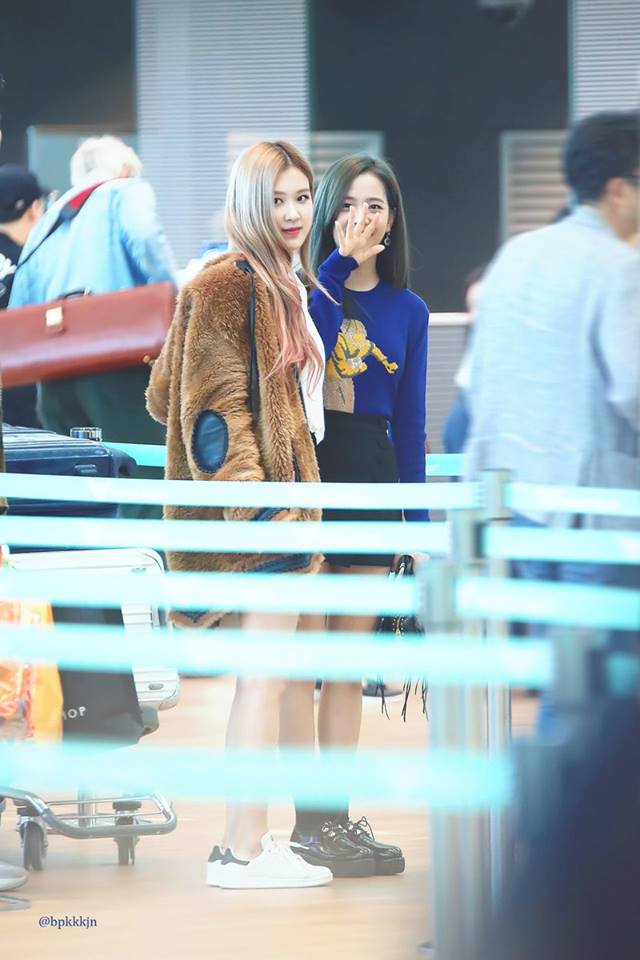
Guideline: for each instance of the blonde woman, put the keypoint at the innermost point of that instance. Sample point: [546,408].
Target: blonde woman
[239,385]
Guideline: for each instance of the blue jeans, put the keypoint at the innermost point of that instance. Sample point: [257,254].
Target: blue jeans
[591,574]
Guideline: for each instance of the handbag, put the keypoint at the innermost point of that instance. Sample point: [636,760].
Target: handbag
[401,626]
[90,333]
[83,333]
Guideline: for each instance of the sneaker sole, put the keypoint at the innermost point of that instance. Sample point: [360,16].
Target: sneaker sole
[12,884]
[342,869]
[389,868]
[267,883]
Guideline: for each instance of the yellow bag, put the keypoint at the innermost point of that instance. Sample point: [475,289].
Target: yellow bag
[30,694]
[15,701]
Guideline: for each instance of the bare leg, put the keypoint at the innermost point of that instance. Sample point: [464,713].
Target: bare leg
[254,725]
[297,719]
[340,711]
[297,714]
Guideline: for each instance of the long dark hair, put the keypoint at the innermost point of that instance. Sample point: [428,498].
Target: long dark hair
[393,264]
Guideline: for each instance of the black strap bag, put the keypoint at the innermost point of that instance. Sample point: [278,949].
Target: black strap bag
[401,626]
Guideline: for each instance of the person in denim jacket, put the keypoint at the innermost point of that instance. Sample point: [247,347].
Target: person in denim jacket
[114,243]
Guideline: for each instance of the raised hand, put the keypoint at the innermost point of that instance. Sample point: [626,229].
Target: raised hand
[356,239]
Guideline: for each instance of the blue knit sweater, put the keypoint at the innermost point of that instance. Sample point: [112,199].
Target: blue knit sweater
[376,348]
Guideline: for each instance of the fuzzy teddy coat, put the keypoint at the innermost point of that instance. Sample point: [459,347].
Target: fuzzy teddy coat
[199,388]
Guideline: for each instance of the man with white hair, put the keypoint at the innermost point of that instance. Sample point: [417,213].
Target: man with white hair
[102,158]
[113,243]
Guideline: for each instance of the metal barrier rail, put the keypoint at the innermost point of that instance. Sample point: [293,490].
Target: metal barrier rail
[560,604]
[154,455]
[523,497]
[222,493]
[476,597]
[267,592]
[218,536]
[587,546]
[301,655]
[408,496]
[449,780]
[442,658]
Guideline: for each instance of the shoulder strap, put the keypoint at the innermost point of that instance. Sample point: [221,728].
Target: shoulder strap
[254,381]
[70,210]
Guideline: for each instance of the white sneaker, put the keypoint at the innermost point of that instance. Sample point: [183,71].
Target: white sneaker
[11,877]
[276,866]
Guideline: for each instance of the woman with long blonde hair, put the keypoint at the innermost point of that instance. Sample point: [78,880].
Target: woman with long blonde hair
[239,385]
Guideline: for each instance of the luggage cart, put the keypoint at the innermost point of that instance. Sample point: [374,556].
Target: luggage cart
[124,819]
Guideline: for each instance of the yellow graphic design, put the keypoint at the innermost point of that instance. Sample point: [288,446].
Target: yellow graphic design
[347,362]
[353,346]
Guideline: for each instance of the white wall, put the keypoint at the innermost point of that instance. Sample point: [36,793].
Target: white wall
[605,56]
[209,71]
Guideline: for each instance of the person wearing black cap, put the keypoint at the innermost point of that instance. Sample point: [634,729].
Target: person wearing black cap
[21,206]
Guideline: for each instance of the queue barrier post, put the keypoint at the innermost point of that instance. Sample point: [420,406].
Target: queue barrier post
[459,839]
[495,513]
[540,762]
[472,853]
[438,611]
[476,902]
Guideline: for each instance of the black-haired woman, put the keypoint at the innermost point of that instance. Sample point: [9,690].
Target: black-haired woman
[374,331]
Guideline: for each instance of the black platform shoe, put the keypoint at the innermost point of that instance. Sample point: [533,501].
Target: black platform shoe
[388,860]
[329,846]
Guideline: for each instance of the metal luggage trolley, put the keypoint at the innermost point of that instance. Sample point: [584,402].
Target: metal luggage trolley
[125,819]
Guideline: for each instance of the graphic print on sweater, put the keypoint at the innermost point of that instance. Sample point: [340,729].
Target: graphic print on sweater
[348,361]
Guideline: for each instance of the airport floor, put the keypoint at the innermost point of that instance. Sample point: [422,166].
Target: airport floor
[161,907]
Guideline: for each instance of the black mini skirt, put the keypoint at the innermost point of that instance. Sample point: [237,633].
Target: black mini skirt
[357,449]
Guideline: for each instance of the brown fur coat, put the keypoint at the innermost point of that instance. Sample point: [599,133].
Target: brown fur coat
[202,377]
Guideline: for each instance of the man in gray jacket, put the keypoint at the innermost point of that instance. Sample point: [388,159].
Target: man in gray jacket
[554,388]
[555,366]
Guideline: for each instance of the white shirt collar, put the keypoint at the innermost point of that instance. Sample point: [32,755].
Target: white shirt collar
[312,387]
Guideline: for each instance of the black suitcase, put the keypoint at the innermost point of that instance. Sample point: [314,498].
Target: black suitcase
[45,453]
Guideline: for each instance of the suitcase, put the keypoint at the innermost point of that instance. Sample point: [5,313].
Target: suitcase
[45,453]
[156,687]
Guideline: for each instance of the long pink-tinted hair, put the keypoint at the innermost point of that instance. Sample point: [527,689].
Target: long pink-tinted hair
[251,229]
